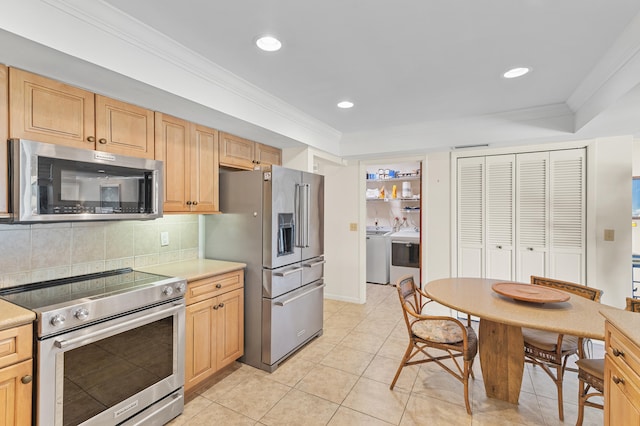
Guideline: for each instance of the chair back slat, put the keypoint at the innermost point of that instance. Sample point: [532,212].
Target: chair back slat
[633,305]
[577,289]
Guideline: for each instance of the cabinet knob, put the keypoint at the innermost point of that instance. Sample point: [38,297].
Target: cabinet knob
[617,380]
[221,305]
[617,352]
[26,379]
[216,307]
[195,203]
[188,203]
[218,285]
[91,139]
[102,141]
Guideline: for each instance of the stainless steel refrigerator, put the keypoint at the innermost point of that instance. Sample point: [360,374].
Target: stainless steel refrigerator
[273,220]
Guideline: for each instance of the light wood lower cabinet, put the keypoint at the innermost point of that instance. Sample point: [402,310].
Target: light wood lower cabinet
[16,376]
[240,153]
[214,325]
[621,379]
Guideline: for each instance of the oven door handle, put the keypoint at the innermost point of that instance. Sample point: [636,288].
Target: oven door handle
[285,302]
[63,343]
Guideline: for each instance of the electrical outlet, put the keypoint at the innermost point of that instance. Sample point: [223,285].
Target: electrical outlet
[609,235]
[164,238]
[353,227]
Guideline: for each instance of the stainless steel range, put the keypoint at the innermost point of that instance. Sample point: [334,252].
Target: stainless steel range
[109,348]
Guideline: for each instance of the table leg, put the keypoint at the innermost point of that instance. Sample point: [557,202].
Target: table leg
[501,359]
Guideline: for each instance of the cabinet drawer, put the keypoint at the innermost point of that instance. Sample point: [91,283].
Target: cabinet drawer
[621,350]
[621,380]
[15,344]
[210,287]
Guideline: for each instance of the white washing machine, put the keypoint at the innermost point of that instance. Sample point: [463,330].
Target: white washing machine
[405,254]
[378,254]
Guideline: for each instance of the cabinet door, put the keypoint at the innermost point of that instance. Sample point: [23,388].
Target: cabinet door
[200,342]
[4,135]
[204,170]
[171,146]
[237,152]
[532,215]
[123,128]
[500,213]
[230,332]
[267,155]
[49,111]
[15,396]
[471,216]
[567,214]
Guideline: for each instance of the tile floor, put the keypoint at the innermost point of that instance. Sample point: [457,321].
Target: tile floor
[343,377]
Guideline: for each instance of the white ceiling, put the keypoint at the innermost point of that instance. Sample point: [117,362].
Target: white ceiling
[424,75]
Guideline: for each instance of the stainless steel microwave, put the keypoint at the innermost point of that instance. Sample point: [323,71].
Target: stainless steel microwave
[55,183]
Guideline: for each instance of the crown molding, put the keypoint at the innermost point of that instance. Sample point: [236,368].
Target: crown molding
[617,72]
[110,20]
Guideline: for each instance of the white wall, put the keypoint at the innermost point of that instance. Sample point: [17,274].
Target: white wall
[609,207]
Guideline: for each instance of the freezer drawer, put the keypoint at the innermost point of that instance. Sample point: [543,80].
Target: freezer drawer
[312,270]
[276,282]
[291,320]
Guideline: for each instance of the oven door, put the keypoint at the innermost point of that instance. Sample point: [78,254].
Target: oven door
[108,372]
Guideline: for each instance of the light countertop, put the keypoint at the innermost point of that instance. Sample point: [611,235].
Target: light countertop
[194,269]
[13,315]
[627,322]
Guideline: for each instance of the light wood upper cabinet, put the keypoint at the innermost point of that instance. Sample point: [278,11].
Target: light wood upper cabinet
[46,110]
[189,152]
[203,164]
[16,376]
[122,128]
[240,153]
[4,135]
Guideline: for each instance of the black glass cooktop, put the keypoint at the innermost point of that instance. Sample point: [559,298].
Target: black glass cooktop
[37,296]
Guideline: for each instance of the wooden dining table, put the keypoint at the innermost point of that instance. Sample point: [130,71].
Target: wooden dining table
[501,345]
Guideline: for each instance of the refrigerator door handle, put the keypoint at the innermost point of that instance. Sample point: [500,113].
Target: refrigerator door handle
[303,206]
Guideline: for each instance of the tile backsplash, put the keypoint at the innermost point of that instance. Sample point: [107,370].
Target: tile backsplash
[32,253]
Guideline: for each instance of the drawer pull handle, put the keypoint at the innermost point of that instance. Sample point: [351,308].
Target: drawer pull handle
[617,380]
[26,379]
[218,285]
[617,352]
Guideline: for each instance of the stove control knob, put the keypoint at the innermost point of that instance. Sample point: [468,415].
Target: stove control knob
[181,287]
[81,314]
[167,291]
[57,320]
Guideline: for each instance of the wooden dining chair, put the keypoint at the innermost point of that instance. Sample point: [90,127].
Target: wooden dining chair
[550,350]
[591,375]
[633,304]
[426,332]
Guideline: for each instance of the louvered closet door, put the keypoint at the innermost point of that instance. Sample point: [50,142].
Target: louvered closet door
[532,217]
[470,217]
[500,214]
[567,215]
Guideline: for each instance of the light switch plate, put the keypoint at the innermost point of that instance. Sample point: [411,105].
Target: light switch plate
[164,238]
[609,234]
[353,227]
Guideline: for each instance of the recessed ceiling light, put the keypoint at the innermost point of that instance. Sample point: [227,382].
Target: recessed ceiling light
[516,72]
[268,43]
[345,104]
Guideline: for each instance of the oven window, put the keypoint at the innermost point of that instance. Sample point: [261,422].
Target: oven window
[405,254]
[104,373]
